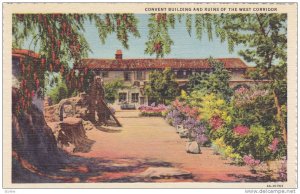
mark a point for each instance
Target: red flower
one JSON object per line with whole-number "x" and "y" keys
{"x": 273, "y": 145}
{"x": 216, "y": 122}
{"x": 43, "y": 60}
{"x": 241, "y": 130}
{"x": 64, "y": 26}
{"x": 118, "y": 22}
{"x": 32, "y": 93}
{"x": 37, "y": 82}
{"x": 177, "y": 104}
{"x": 58, "y": 43}
{"x": 40, "y": 17}
{"x": 23, "y": 83}
{"x": 53, "y": 56}
{"x": 28, "y": 94}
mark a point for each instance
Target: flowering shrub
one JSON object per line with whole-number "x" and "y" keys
{"x": 197, "y": 128}
{"x": 177, "y": 104}
{"x": 177, "y": 121}
{"x": 213, "y": 106}
{"x": 190, "y": 123}
{"x": 174, "y": 117}
{"x": 283, "y": 171}
{"x": 188, "y": 111}
{"x": 241, "y": 130}
{"x": 219, "y": 145}
{"x": 250, "y": 161}
{"x": 201, "y": 138}
{"x": 256, "y": 143}
{"x": 152, "y": 110}
{"x": 273, "y": 145}
{"x": 225, "y": 151}
{"x": 244, "y": 96}
{"x": 216, "y": 122}
{"x": 241, "y": 90}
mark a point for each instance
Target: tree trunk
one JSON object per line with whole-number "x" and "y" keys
{"x": 280, "y": 117}
{"x": 33, "y": 139}
{"x": 72, "y": 132}
{"x": 92, "y": 102}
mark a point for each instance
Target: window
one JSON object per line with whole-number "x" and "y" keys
{"x": 127, "y": 76}
{"x": 122, "y": 97}
{"x": 105, "y": 74}
{"x": 135, "y": 97}
{"x": 139, "y": 75}
{"x": 180, "y": 74}
{"x": 188, "y": 73}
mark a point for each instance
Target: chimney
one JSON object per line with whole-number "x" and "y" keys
{"x": 119, "y": 54}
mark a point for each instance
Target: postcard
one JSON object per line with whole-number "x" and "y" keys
{"x": 150, "y": 95}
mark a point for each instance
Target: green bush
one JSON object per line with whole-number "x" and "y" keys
{"x": 256, "y": 143}
{"x": 217, "y": 81}
{"x": 58, "y": 92}
{"x": 111, "y": 90}
{"x": 162, "y": 87}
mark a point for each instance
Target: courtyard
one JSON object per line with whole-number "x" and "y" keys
{"x": 150, "y": 143}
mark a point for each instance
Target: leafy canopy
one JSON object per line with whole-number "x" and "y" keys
{"x": 217, "y": 81}
{"x": 162, "y": 86}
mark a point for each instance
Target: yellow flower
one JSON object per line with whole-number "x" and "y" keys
{"x": 220, "y": 102}
{"x": 183, "y": 94}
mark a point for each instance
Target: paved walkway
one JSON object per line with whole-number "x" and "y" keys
{"x": 144, "y": 142}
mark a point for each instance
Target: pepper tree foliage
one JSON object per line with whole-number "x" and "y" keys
{"x": 60, "y": 42}
{"x": 159, "y": 41}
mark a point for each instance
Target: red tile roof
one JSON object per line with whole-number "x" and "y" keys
{"x": 138, "y": 64}
{"x": 23, "y": 52}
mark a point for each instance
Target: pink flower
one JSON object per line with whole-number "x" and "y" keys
{"x": 241, "y": 130}
{"x": 32, "y": 93}
{"x": 249, "y": 160}
{"x": 273, "y": 145}
{"x": 216, "y": 122}
{"x": 152, "y": 109}
{"x": 177, "y": 104}
{"x": 241, "y": 90}
{"x": 185, "y": 109}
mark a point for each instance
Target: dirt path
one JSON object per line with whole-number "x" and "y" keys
{"x": 145, "y": 142}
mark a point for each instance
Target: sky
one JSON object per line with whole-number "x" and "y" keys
{"x": 185, "y": 46}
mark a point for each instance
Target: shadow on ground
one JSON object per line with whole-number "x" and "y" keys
{"x": 80, "y": 169}
{"x": 108, "y": 130}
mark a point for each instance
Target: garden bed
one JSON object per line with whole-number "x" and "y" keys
{"x": 152, "y": 111}
{"x": 230, "y": 128}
